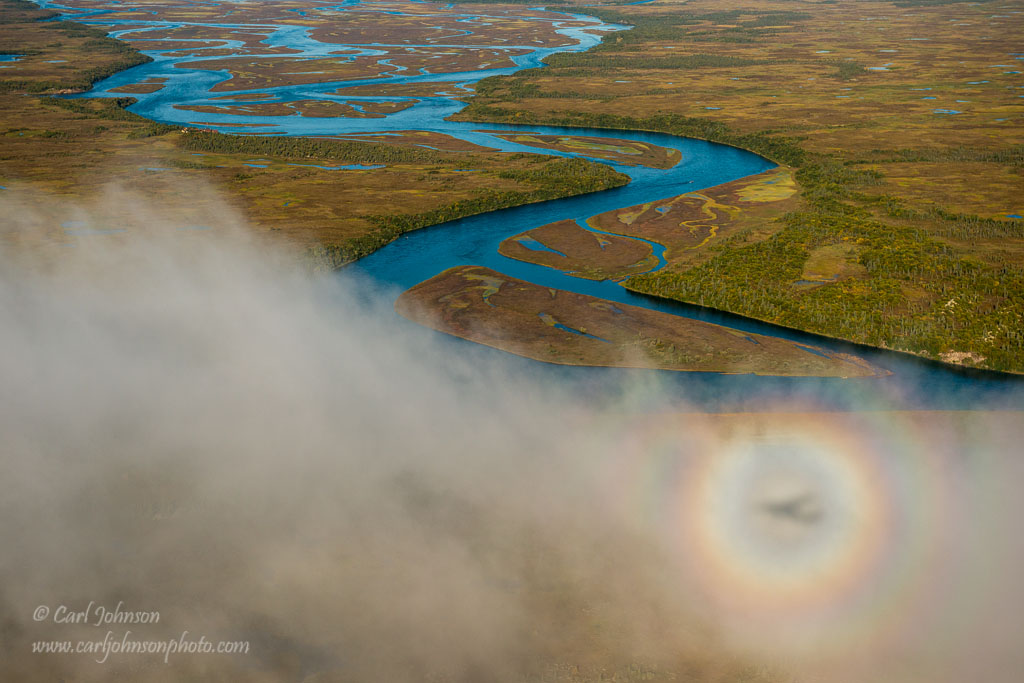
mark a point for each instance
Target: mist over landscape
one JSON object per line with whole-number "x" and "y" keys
{"x": 396, "y": 341}
{"x": 192, "y": 423}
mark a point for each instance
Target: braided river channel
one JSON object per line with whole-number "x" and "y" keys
{"x": 913, "y": 383}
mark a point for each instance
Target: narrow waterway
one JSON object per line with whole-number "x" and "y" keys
{"x": 422, "y": 254}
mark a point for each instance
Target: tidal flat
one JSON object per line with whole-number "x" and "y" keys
{"x": 555, "y": 326}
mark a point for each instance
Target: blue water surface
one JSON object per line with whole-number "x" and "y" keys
{"x": 422, "y": 254}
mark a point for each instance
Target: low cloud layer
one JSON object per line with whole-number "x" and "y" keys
{"x": 194, "y": 425}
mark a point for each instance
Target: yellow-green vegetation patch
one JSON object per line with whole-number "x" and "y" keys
{"x": 832, "y": 262}
{"x": 690, "y": 223}
{"x": 583, "y": 253}
{"x": 561, "y": 327}
{"x": 773, "y": 186}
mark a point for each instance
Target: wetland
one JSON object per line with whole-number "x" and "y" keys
{"x": 331, "y": 90}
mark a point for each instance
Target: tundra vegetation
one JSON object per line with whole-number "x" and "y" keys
{"x": 901, "y": 131}
{"x": 901, "y": 122}
{"x": 71, "y": 149}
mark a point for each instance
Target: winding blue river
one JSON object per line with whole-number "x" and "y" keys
{"x": 424, "y": 253}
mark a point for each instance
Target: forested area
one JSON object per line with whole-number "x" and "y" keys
{"x": 915, "y": 274}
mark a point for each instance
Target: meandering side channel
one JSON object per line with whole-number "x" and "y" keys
{"x": 474, "y": 241}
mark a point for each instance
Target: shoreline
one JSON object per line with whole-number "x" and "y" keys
{"x": 727, "y": 139}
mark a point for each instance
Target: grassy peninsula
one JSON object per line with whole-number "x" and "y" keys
{"x": 65, "y": 152}
{"x": 902, "y": 124}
